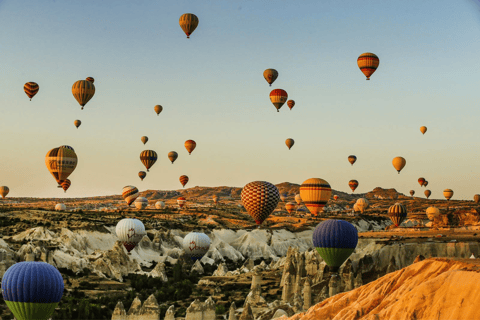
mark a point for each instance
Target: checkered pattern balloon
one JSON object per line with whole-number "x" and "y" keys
{"x": 260, "y": 198}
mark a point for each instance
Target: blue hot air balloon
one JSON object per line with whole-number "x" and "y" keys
{"x": 32, "y": 290}
{"x": 335, "y": 240}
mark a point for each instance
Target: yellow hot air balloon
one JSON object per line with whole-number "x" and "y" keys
{"x": 144, "y": 139}
{"x": 448, "y": 193}
{"x": 31, "y": 89}
{"x": 77, "y": 123}
{"x": 158, "y": 108}
{"x": 298, "y": 199}
{"x": 61, "y": 162}
{"x": 290, "y": 206}
{"x": 83, "y": 91}
{"x": 270, "y": 75}
{"x": 432, "y": 212}
{"x": 4, "y": 191}
{"x": 148, "y": 158}
{"x": 188, "y": 23}
{"x": 172, "y": 155}
{"x": 190, "y": 146}
{"x": 399, "y": 163}
{"x": 289, "y": 142}
{"x": 368, "y": 63}
{"x": 423, "y": 129}
{"x": 315, "y": 193}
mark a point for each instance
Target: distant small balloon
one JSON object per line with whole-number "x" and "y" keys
{"x": 353, "y": 184}
{"x": 181, "y": 201}
{"x": 412, "y": 192}
{"x": 144, "y": 139}
{"x": 141, "y": 203}
{"x": 4, "y": 191}
{"x": 432, "y": 213}
{"x": 298, "y": 199}
{"x": 290, "y": 104}
{"x": 183, "y": 180}
{"x": 190, "y": 145}
{"x": 335, "y": 197}
{"x": 83, "y": 91}
{"x": 31, "y": 89}
{"x": 129, "y": 194}
{"x": 188, "y": 23}
{"x": 397, "y": 213}
{"x": 427, "y": 193}
{"x": 270, "y": 75}
{"x": 148, "y": 158}
{"x": 172, "y": 155}
{"x": 399, "y": 163}
{"x": 289, "y": 142}
{"x": 290, "y": 206}
{"x": 476, "y": 198}
{"x": 352, "y": 159}
{"x": 77, "y": 123}
{"x": 158, "y": 108}
{"x": 278, "y": 98}
{"x": 448, "y": 193}
{"x": 421, "y": 181}
{"x": 423, "y": 129}
{"x": 368, "y": 63}
{"x": 160, "y": 205}
{"x": 142, "y": 175}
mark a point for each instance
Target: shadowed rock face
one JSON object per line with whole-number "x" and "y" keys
{"x": 380, "y": 193}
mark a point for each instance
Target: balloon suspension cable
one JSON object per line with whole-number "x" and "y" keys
{"x": 368, "y": 78}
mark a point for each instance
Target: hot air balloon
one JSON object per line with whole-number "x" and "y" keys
{"x": 353, "y": 184}
{"x": 67, "y": 147}
{"x": 190, "y": 146}
{"x": 183, "y": 180}
{"x": 283, "y": 197}
{"x": 397, "y": 213}
{"x": 66, "y": 184}
{"x": 368, "y": 63}
{"x": 144, "y": 139}
{"x": 356, "y": 208}
{"x": 61, "y": 162}
{"x": 77, "y": 123}
{"x": 129, "y": 194}
{"x": 172, "y": 155}
{"x": 423, "y": 129}
{"x": 362, "y": 204}
{"x": 421, "y": 181}
{"x": 298, "y": 199}
{"x": 148, "y": 158}
{"x": 31, "y": 89}
{"x": 142, "y": 174}
{"x": 158, "y": 108}
{"x": 4, "y": 191}
{"x": 141, "y": 203}
{"x": 160, "y": 205}
{"x": 260, "y": 198}
{"x": 335, "y": 197}
{"x": 90, "y": 79}
{"x": 289, "y": 142}
{"x": 476, "y": 198}
{"x": 270, "y": 75}
{"x": 32, "y": 290}
{"x": 335, "y": 241}
{"x": 352, "y": 159}
{"x": 427, "y": 193}
{"x": 290, "y": 206}
{"x": 448, "y": 193}
{"x": 130, "y": 232}
{"x": 60, "y": 207}
{"x": 432, "y": 213}
{"x": 315, "y": 193}
{"x": 196, "y": 245}
{"x": 181, "y": 201}
{"x": 188, "y": 23}
{"x": 278, "y": 98}
{"x": 83, "y": 91}
{"x": 425, "y": 183}
{"x": 399, "y": 163}
{"x": 215, "y": 199}
{"x": 412, "y": 192}
{"x": 290, "y": 104}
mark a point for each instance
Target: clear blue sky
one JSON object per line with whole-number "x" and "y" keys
{"x": 212, "y": 90}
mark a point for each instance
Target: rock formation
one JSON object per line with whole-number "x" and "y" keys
{"x": 170, "y": 314}
{"x": 231, "y": 312}
{"x": 247, "y": 313}
{"x": 201, "y": 310}
{"x": 148, "y": 311}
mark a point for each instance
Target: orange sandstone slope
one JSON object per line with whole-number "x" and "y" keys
{"x": 431, "y": 289}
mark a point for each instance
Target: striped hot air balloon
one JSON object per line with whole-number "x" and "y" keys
{"x": 368, "y": 63}
{"x": 290, "y": 104}
{"x": 353, "y": 184}
{"x": 66, "y": 184}
{"x": 270, "y": 75}
{"x": 83, "y": 91}
{"x": 183, "y": 180}
{"x": 421, "y": 181}
{"x": 77, "y": 123}
{"x": 158, "y": 108}
{"x": 130, "y": 232}
{"x": 289, "y": 142}
{"x": 397, "y": 213}
{"x": 399, "y": 163}
{"x": 412, "y": 192}
{"x": 181, "y": 201}
{"x": 148, "y": 158}
{"x": 160, "y": 205}
{"x": 432, "y": 213}
{"x": 427, "y": 193}
{"x": 32, "y": 290}
{"x": 31, "y": 89}
{"x": 61, "y": 162}
{"x": 67, "y": 147}
{"x": 335, "y": 241}
{"x": 476, "y": 198}
{"x": 448, "y": 193}
{"x": 141, "y": 203}
{"x": 90, "y": 79}
{"x": 362, "y": 204}
{"x": 335, "y": 197}
{"x": 352, "y": 159}
{"x": 4, "y": 191}
{"x": 172, "y": 155}
{"x": 260, "y": 198}
{"x": 142, "y": 174}
{"x": 278, "y": 98}
{"x": 190, "y": 146}
{"x": 196, "y": 245}
{"x": 144, "y": 139}
{"x": 315, "y": 193}
{"x": 129, "y": 194}
{"x": 283, "y": 197}
{"x": 188, "y": 23}
{"x": 298, "y": 199}
{"x": 290, "y": 206}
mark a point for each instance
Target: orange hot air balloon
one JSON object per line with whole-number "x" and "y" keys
{"x": 183, "y": 180}
{"x": 188, "y": 22}
{"x": 448, "y": 193}
{"x": 290, "y": 206}
{"x": 158, "y": 108}
{"x": 31, "y": 89}
{"x": 66, "y": 184}
{"x": 425, "y": 183}
{"x": 352, "y": 159}
{"x": 270, "y": 75}
{"x": 421, "y": 181}
{"x": 77, "y": 123}
{"x": 172, "y": 155}
{"x": 289, "y": 142}
{"x": 315, "y": 193}
{"x": 335, "y": 197}
{"x": 368, "y": 63}
{"x": 476, "y": 198}
{"x": 353, "y": 184}
{"x": 142, "y": 175}
{"x": 181, "y": 201}
{"x": 399, "y": 163}
{"x": 427, "y": 193}
{"x": 190, "y": 146}
{"x": 90, "y": 79}
{"x": 290, "y": 104}
{"x": 278, "y": 98}
{"x": 423, "y": 129}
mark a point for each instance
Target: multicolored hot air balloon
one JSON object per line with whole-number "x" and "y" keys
{"x": 335, "y": 197}
{"x": 190, "y": 146}
{"x": 77, "y": 123}
{"x": 158, "y": 108}
{"x": 130, "y": 232}
{"x": 315, "y": 193}
{"x": 412, "y": 192}
{"x": 4, "y": 191}
{"x": 31, "y": 89}
{"x": 196, "y": 245}
{"x": 423, "y": 129}
{"x": 290, "y": 206}
{"x": 270, "y": 75}
{"x": 67, "y": 147}
{"x": 335, "y": 241}
{"x": 290, "y": 104}
{"x": 353, "y": 184}
{"x": 476, "y": 198}
{"x": 432, "y": 213}
{"x": 352, "y": 159}
{"x": 183, "y": 180}
{"x": 181, "y": 201}
{"x": 368, "y": 63}
{"x": 160, "y": 205}
{"x": 397, "y": 213}
{"x": 129, "y": 194}
{"x": 61, "y": 162}
{"x": 188, "y": 23}
{"x": 289, "y": 142}
{"x": 148, "y": 158}
{"x": 83, "y": 91}
{"x": 66, "y": 184}
{"x": 32, "y": 290}
{"x": 448, "y": 193}
{"x": 399, "y": 163}
{"x": 362, "y": 204}
{"x": 278, "y": 98}
{"x": 298, "y": 198}
{"x": 283, "y": 197}
{"x": 142, "y": 174}
{"x": 172, "y": 155}
{"x": 427, "y": 193}
{"x": 141, "y": 203}
{"x": 144, "y": 139}
{"x": 421, "y": 181}
{"x": 260, "y": 198}
{"x": 90, "y": 79}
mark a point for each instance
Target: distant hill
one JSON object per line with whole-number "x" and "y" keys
{"x": 381, "y": 194}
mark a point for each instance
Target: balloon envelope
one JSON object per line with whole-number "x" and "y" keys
{"x": 278, "y": 98}
{"x": 368, "y": 63}
{"x": 397, "y": 213}
{"x": 423, "y": 129}
{"x": 190, "y": 146}
{"x": 427, "y": 193}
{"x": 290, "y": 206}
{"x": 270, "y": 75}
{"x": 129, "y": 194}
{"x": 290, "y": 104}
{"x": 141, "y": 203}
{"x": 188, "y": 22}
{"x": 298, "y": 198}
{"x": 77, "y": 123}
{"x": 448, "y": 193}
{"x": 353, "y": 184}
{"x": 60, "y": 207}
{"x": 158, "y": 108}
{"x": 289, "y": 142}
{"x": 61, "y": 162}
{"x": 130, "y": 232}
{"x": 196, "y": 245}
{"x": 421, "y": 181}
{"x": 144, "y": 139}
{"x": 352, "y": 159}
{"x": 160, "y": 205}
{"x": 142, "y": 174}
{"x": 260, "y": 198}
{"x": 4, "y": 191}
{"x": 412, "y": 192}
{"x": 399, "y": 163}
{"x": 148, "y": 158}
{"x": 66, "y": 184}
{"x": 183, "y": 180}
{"x": 432, "y": 212}
{"x": 315, "y": 193}
{"x": 172, "y": 155}
{"x": 476, "y": 198}
{"x": 31, "y": 89}
{"x": 181, "y": 201}
{"x": 83, "y": 91}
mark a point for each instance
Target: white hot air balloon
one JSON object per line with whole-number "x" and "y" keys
{"x": 298, "y": 198}
{"x": 432, "y": 212}
{"x": 362, "y": 204}
{"x": 141, "y": 203}
{"x": 196, "y": 245}
{"x": 60, "y": 207}
{"x": 160, "y": 205}
{"x": 130, "y": 232}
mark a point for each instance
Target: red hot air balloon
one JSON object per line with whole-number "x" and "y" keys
{"x": 183, "y": 180}
{"x": 278, "y": 98}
